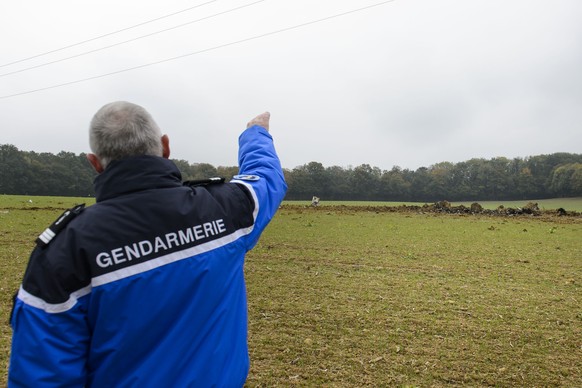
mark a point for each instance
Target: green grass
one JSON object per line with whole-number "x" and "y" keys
{"x": 569, "y": 204}
{"x": 31, "y": 202}
{"x": 387, "y": 299}
{"x": 339, "y": 297}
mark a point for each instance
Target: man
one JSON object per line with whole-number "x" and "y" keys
{"x": 145, "y": 288}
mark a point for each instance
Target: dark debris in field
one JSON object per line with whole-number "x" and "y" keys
{"x": 444, "y": 207}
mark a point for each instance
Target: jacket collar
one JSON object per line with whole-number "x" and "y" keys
{"x": 136, "y": 174}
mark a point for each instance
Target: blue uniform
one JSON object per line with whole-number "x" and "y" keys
{"x": 146, "y": 287}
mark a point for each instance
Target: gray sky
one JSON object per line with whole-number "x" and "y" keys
{"x": 408, "y": 83}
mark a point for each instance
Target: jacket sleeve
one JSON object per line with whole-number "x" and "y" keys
{"x": 260, "y": 171}
{"x": 50, "y": 338}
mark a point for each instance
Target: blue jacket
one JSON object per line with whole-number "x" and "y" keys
{"x": 146, "y": 287}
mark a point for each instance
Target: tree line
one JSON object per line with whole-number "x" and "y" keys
{"x": 534, "y": 177}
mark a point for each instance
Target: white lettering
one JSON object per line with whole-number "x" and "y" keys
{"x": 198, "y": 232}
{"x": 145, "y": 244}
{"x": 172, "y": 238}
{"x": 104, "y": 260}
{"x": 160, "y": 244}
{"x": 117, "y": 254}
{"x": 208, "y": 229}
{"x": 132, "y": 253}
{"x": 185, "y": 236}
{"x": 221, "y": 227}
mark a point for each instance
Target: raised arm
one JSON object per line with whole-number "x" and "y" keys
{"x": 260, "y": 171}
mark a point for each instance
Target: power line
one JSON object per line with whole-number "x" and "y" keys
{"x": 104, "y": 35}
{"x": 201, "y": 51}
{"x": 131, "y": 40}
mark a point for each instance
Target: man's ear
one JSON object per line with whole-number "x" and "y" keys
{"x": 166, "y": 146}
{"x": 92, "y": 158}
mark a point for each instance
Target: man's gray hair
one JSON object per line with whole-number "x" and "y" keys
{"x": 122, "y": 129}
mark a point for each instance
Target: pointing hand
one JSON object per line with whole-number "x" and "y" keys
{"x": 262, "y": 120}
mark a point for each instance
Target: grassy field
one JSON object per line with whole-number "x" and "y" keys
{"x": 569, "y": 204}
{"x": 344, "y": 298}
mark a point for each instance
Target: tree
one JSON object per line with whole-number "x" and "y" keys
{"x": 393, "y": 185}
{"x": 365, "y": 182}
{"x": 203, "y": 171}
{"x": 441, "y": 181}
{"x": 226, "y": 172}
{"x": 541, "y": 176}
{"x": 14, "y": 175}
{"x": 567, "y": 180}
{"x": 339, "y": 186}
{"x": 308, "y": 180}
{"x": 421, "y": 182}
{"x": 461, "y": 182}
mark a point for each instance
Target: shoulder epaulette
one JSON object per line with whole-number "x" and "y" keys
{"x": 50, "y": 232}
{"x": 204, "y": 182}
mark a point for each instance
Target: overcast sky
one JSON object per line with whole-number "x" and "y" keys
{"x": 407, "y": 83}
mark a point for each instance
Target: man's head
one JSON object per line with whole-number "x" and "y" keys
{"x": 122, "y": 129}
